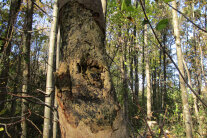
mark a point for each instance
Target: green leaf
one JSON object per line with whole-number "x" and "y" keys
{"x": 162, "y": 24}
{"x": 125, "y": 5}
{"x": 130, "y": 9}
{"x": 166, "y": 1}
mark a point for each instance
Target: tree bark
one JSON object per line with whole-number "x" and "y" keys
{"x": 49, "y": 81}
{"x": 148, "y": 76}
{"x": 26, "y": 63}
{"x": 143, "y": 74}
{"x": 131, "y": 69}
{"x": 55, "y": 116}
{"x": 124, "y": 82}
{"x": 186, "y": 109}
{"x": 165, "y": 73}
{"x": 195, "y": 101}
{"x": 136, "y": 62}
{"x": 87, "y": 106}
{"x": 149, "y": 89}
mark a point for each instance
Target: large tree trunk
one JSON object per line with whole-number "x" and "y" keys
{"x": 86, "y": 98}
{"x": 186, "y": 109}
{"x": 148, "y": 75}
{"x": 26, "y": 63}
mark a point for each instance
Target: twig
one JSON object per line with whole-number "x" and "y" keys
{"x": 5, "y": 127}
{"x": 41, "y": 91}
{"x": 7, "y": 118}
{"x": 34, "y": 126}
{"x": 162, "y": 47}
{"x": 32, "y": 97}
{"x": 13, "y": 123}
{"x": 22, "y": 31}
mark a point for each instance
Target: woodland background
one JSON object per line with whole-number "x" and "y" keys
{"x": 141, "y": 50}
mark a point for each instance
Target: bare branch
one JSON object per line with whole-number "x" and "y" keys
{"x": 5, "y": 127}
{"x": 33, "y": 30}
{"x": 34, "y": 126}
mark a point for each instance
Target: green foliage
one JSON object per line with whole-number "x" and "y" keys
{"x": 162, "y": 24}
{"x": 125, "y": 4}
{"x": 166, "y": 1}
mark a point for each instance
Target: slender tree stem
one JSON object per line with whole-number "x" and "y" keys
{"x": 171, "y": 59}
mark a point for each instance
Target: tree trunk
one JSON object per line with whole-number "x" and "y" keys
{"x": 124, "y": 83}
{"x": 136, "y": 68}
{"x": 131, "y": 59}
{"x": 26, "y": 64}
{"x": 16, "y": 86}
{"x": 5, "y": 49}
{"x": 55, "y": 116}
{"x": 143, "y": 74}
{"x": 147, "y": 74}
{"x": 149, "y": 104}
{"x": 87, "y": 106}
{"x": 165, "y": 73}
{"x": 195, "y": 101}
{"x": 160, "y": 95}
{"x": 49, "y": 81}
{"x": 186, "y": 109}
{"x": 154, "y": 85}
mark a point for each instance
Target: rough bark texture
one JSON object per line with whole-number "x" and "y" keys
{"x": 26, "y": 63}
{"x": 97, "y": 8}
{"x": 87, "y": 106}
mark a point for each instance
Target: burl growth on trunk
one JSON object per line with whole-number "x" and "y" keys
{"x": 86, "y": 98}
